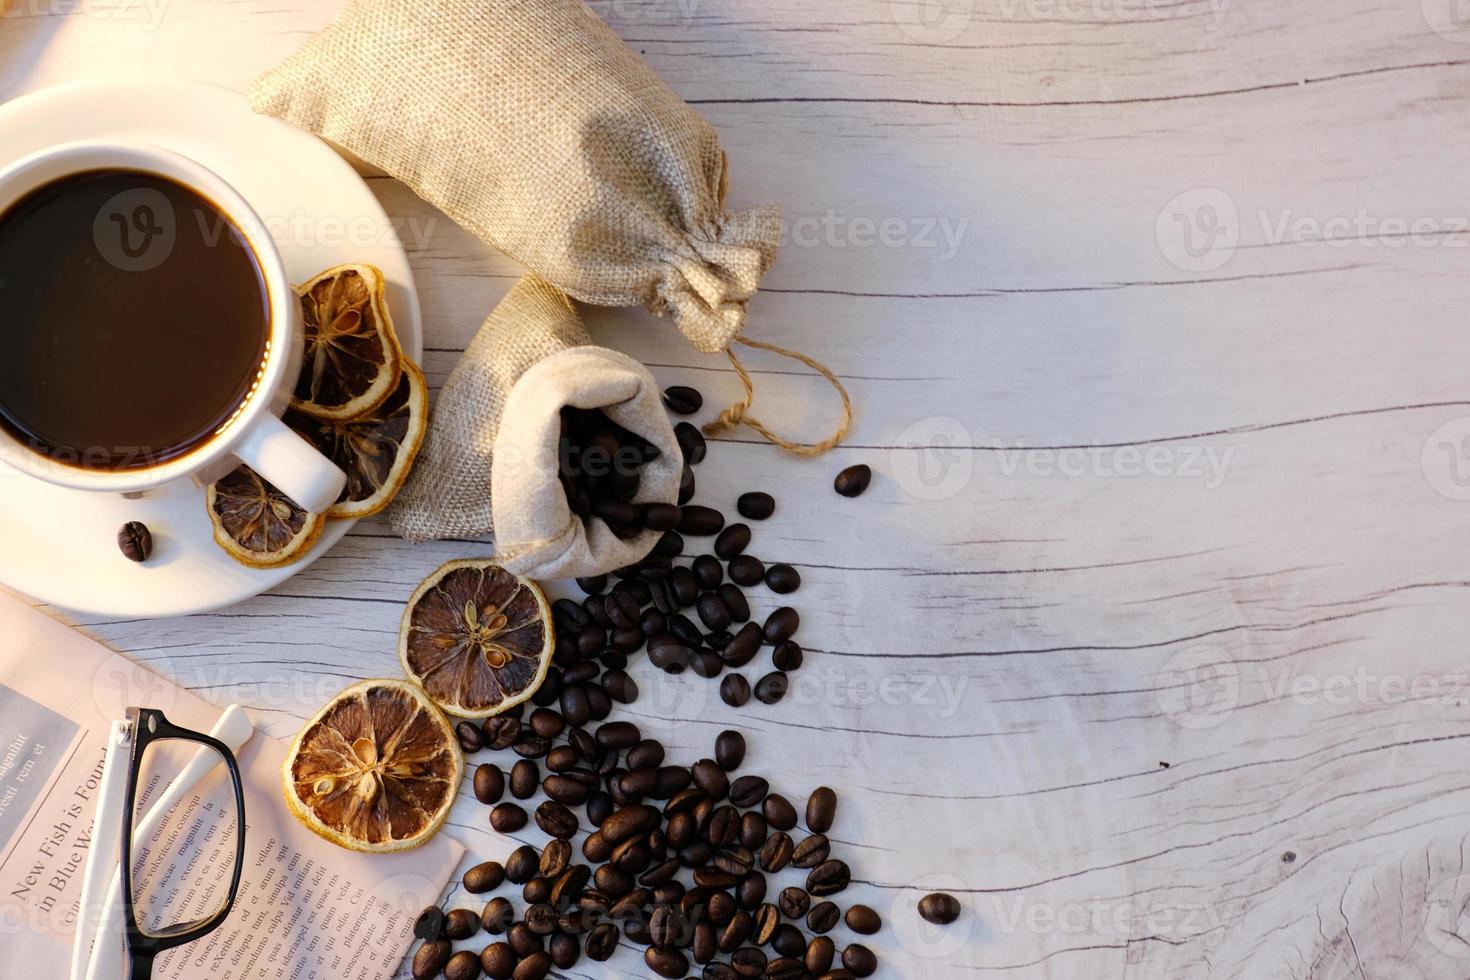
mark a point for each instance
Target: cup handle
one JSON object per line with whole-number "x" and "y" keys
{"x": 275, "y": 451}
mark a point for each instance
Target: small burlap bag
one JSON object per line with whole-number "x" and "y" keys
{"x": 533, "y": 125}
{"x": 490, "y": 462}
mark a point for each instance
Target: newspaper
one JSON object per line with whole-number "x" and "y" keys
{"x": 306, "y": 909}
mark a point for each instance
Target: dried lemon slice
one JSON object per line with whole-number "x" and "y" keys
{"x": 375, "y": 450}
{"x": 375, "y": 770}
{"x": 352, "y": 361}
{"x": 256, "y": 523}
{"x": 478, "y": 638}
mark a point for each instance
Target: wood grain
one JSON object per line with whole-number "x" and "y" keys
{"x": 1149, "y": 640}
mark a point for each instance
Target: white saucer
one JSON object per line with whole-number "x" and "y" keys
{"x": 59, "y": 545}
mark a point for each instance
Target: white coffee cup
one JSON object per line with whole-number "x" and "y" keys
{"x": 255, "y": 433}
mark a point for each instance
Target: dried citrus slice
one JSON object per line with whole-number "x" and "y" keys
{"x": 256, "y": 523}
{"x": 352, "y": 361}
{"x": 376, "y": 450}
{"x": 478, "y": 638}
{"x": 376, "y": 769}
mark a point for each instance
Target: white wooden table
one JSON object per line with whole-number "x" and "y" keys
{"x": 1150, "y": 640}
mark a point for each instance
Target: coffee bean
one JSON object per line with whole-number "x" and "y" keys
{"x": 431, "y": 958}
{"x": 683, "y": 400}
{"x": 573, "y": 789}
{"x": 471, "y": 739}
{"x": 507, "y": 818}
{"x": 729, "y": 750}
{"x": 811, "y": 852}
{"x": 746, "y": 570}
{"x": 522, "y": 864}
{"x": 498, "y": 961}
{"x": 135, "y": 541}
{"x": 748, "y": 962}
{"x": 484, "y": 877}
{"x": 756, "y": 506}
{"x": 593, "y": 585}
{"x": 783, "y": 579}
{"x": 670, "y": 545}
{"x": 564, "y": 951}
{"x": 602, "y": 942}
{"x": 461, "y": 924}
{"x": 823, "y": 917}
{"x": 743, "y": 647}
{"x": 556, "y": 820}
{"x": 703, "y": 944}
{"x": 767, "y": 918}
{"x": 749, "y": 791}
{"x": 707, "y": 663}
{"x": 534, "y": 746}
{"x": 624, "y": 823}
{"x": 828, "y": 878}
{"x": 788, "y": 940}
{"x": 673, "y": 658}
{"x": 524, "y": 778}
{"x": 776, "y": 852}
{"x": 618, "y": 735}
{"x": 537, "y": 890}
{"x": 780, "y": 814}
{"x": 501, "y": 732}
{"x": 781, "y": 625}
{"x": 598, "y": 703}
{"x": 735, "y": 603}
{"x": 575, "y": 707}
{"x": 692, "y": 442}
{"x": 534, "y": 966}
{"x": 819, "y": 955}
{"x": 699, "y": 521}
{"x": 939, "y": 908}
{"x": 852, "y": 481}
{"x": 463, "y": 965}
{"x": 786, "y": 968}
{"x": 751, "y": 891}
{"x": 638, "y": 783}
{"x": 821, "y": 808}
{"x": 787, "y": 656}
{"x": 671, "y": 780}
{"x": 712, "y": 611}
{"x": 572, "y": 882}
{"x": 523, "y": 941}
{"x": 665, "y": 925}
{"x": 772, "y": 687}
{"x": 732, "y": 541}
{"x": 793, "y": 902}
{"x": 430, "y": 924}
{"x": 708, "y": 572}
{"x": 863, "y": 920}
{"x": 489, "y": 783}
{"x": 686, "y": 486}
{"x": 736, "y": 931}
{"x": 860, "y": 960}
{"x": 666, "y": 962}
{"x": 735, "y": 690}
{"x": 753, "y": 829}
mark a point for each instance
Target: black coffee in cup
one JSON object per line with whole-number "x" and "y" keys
{"x": 134, "y": 320}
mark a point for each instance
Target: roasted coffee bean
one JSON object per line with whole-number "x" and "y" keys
{"x": 567, "y": 613}
{"x": 852, "y": 481}
{"x": 463, "y": 965}
{"x": 672, "y": 780}
{"x": 860, "y": 959}
{"x": 863, "y": 920}
{"x": 811, "y": 852}
{"x": 820, "y": 953}
{"x": 135, "y": 541}
{"x": 682, "y": 829}
{"x": 498, "y": 961}
{"x": 751, "y": 891}
{"x": 702, "y": 946}
{"x": 541, "y": 919}
{"x": 538, "y": 889}
{"x": 659, "y": 874}
{"x": 707, "y": 664}
{"x": 593, "y": 585}
{"x": 736, "y": 859}
{"x": 550, "y": 689}
{"x": 749, "y": 791}
{"x": 556, "y": 820}
{"x": 748, "y": 962}
{"x": 823, "y": 917}
{"x": 747, "y": 570}
{"x": 736, "y": 931}
{"x": 939, "y": 908}
{"x": 632, "y": 856}
{"x": 756, "y": 506}
{"x": 568, "y": 789}
{"x": 781, "y": 625}
{"x": 461, "y": 924}
{"x": 712, "y": 611}
{"x": 721, "y": 908}
{"x": 783, "y": 579}
{"x": 485, "y": 877}
{"x": 753, "y": 829}
{"x": 598, "y": 703}
{"x": 617, "y": 513}
{"x": 631, "y": 904}
{"x": 430, "y": 924}
{"x": 671, "y": 657}
{"x": 659, "y": 517}
{"x": 522, "y": 865}
{"x": 732, "y": 541}
{"x": 570, "y": 884}
{"x": 821, "y": 809}
{"x": 785, "y": 968}
{"x": 596, "y": 847}
{"x": 618, "y": 735}
{"x": 708, "y": 572}
{"x": 612, "y": 881}
{"x": 534, "y": 966}
{"x": 524, "y": 778}
{"x": 531, "y": 747}
{"x": 564, "y": 951}
{"x": 701, "y": 522}
{"x": 772, "y": 687}
{"x": 624, "y": 823}
{"x": 692, "y": 442}
{"x": 501, "y": 732}
{"x": 793, "y": 902}
{"x": 724, "y": 826}
{"x": 683, "y": 400}
{"x": 431, "y": 958}
{"x": 697, "y": 854}
{"x": 767, "y": 918}
{"x": 591, "y": 639}
{"x": 599, "y": 807}
{"x": 729, "y": 749}
{"x": 647, "y": 754}
{"x": 575, "y": 707}
{"x": 489, "y": 783}
{"x": 670, "y": 545}
{"x": 638, "y": 783}
{"x": 711, "y": 877}
{"x": 776, "y": 852}
{"x": 788, "y": 940}
{"x": 684, "y": 631}
{"x": 666, "y": 962}
{"x": 735, "y": 690}
{"x": 651, "y": 622}
{"x": 602, "y": 942}
{"x": 555, "y": 857}
{"x": 623, "y": 610}
{"x": 666, "y": 925}
{"x": 743, "y": 646}
{"x": 523, "y": 941}
{"x": 685, "y": 585}
{"x": 828, "y": 878}
{"x": 471, "y": 739}
{"x": 735, "y": 603}
{"x": 780, "y": 814}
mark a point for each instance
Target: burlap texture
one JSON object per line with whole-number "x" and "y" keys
{"x": 490, "y": 461}
{"x": 532, "y": 124}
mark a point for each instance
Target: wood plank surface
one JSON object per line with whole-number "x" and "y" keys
{"x": 1149, "y": 641}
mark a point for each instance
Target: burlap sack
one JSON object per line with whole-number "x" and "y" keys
{"x": 533, "y": 125}
{"x": 490, "y": 461}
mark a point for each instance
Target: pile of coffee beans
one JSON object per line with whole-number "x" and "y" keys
{"x": 600, "y": 470}
{"x": 677, "y": 859}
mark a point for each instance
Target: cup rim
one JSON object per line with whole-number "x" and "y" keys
{"x": 42, "y": 167}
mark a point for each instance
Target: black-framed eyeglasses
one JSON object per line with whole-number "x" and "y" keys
{"x": 173, "y": 886}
